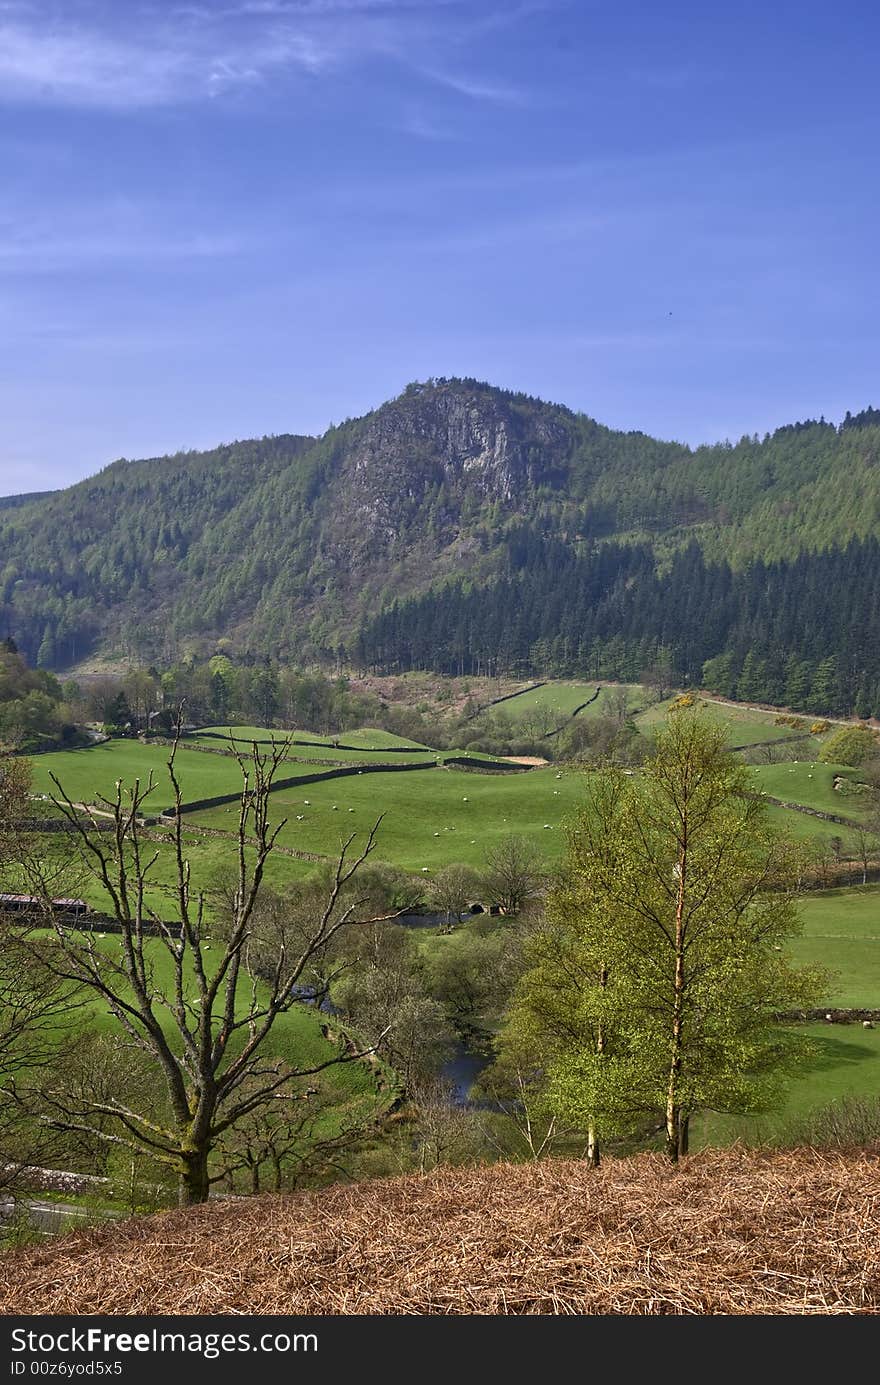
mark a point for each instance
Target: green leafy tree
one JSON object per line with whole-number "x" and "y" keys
{"x": 851, "y": 745}
{"x": 662, "y": 966}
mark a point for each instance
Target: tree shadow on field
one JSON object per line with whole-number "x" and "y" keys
{"x": 833, "y": 1052}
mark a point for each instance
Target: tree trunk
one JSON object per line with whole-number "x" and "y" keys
{"x": 673, "y": 1110}
{"x": 194, "y": 1186}
{"x": 673, "y": 1117}
{"x": 592, "y": 1146}
{"x": 683, "y": 1134}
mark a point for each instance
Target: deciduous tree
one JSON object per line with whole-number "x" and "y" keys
{"x": 661, "y": 971}
{"x": 207, "y": 1036}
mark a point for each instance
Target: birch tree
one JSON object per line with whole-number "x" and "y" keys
{"x": 664, "y": 964}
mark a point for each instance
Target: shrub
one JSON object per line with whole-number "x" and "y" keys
{"x": 851, "y": 745}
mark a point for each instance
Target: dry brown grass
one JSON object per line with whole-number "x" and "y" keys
{"x": 727, "y": 1232}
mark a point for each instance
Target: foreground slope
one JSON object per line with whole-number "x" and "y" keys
{"x": 727, "y": 1232}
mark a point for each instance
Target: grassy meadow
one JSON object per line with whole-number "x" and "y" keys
{"x": 841, "y": 932}
{"x": 845, "y": 1064}
{"x": 431, "y": 818}
{"x": 745, "y": 726}
{"x": 558, "y": 700}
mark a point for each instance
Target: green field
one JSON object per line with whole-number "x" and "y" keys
{"x": 842, "y": 934}
{"x": 809, "y": 782}
{"x": 744, "y": 727}
{"x": 803, "y": 827}
{"x": 432, "y": 818}
{"x": 86, "y": 774}
{"x": 210, "y": 859}
{"x": 438, "y": 816}
{"x": 558, "y": 698}
{"x": 366, "y": 738}
{"x": 846, "y": 1064}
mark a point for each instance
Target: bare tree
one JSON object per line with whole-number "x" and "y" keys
{"x": 283, "y": 1141}
{"x": 444, "y": 1131}
{"x": 617, "y": 703}
{"x": 517, "y": 1093}
{"x": 454, "y": 890}
{"x": 206, "y": 1034}
{"x": 513, "y": 873}
{"x": 867, "y": 839}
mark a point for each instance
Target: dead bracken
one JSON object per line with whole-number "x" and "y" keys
{"x": 727, "y": 1231}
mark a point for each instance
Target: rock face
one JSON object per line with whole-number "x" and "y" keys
{"x": 425, "y": 454}
{"x": 460, "y": 436}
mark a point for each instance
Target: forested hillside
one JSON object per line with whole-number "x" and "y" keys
{"x": 512, "y": 534}
{"x": 803, "y": 633}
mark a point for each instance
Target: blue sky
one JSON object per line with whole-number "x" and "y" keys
{"x": 221, "y": 220}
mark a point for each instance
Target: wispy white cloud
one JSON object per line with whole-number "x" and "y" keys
{"x": 475, "y": 88}
{"x": 78, "y": 65}
{"x": 154, "y": 56}
{"x": 82, "y": 67}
